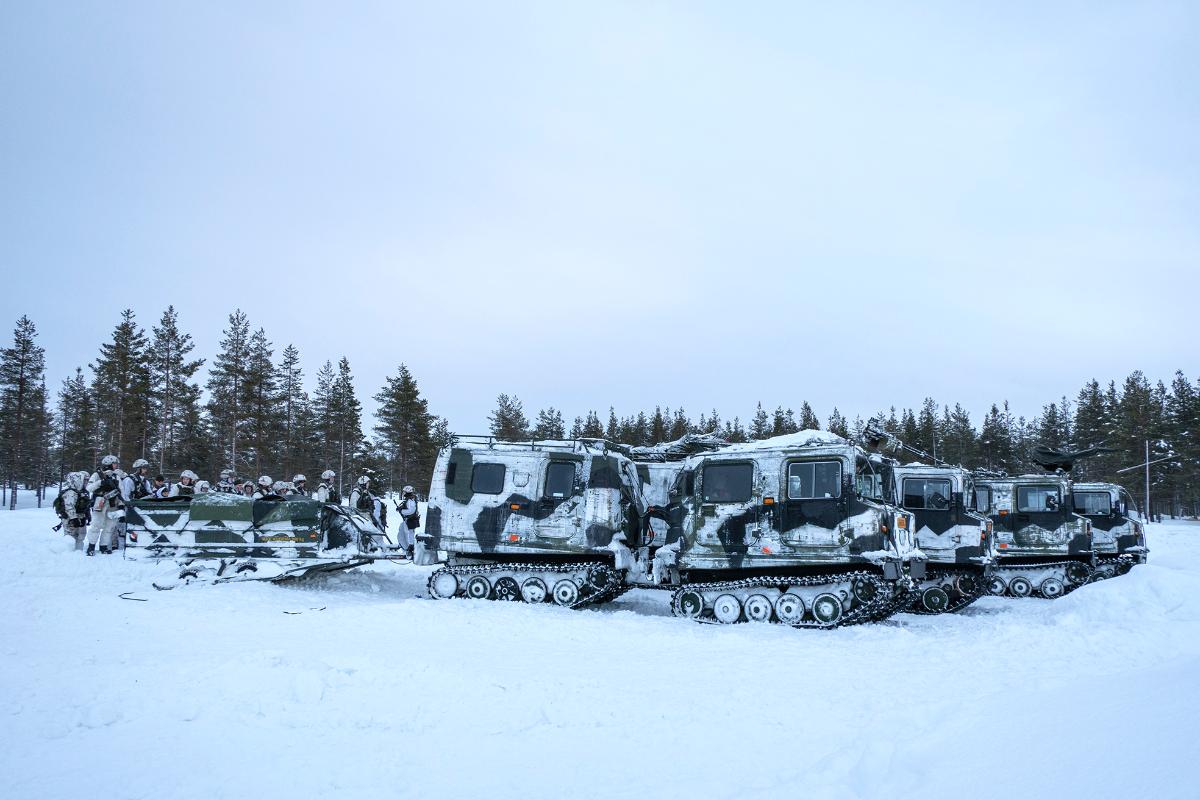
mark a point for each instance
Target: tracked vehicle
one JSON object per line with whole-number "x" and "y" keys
{"x": 957, "y": 540}
{"x": 1044, "y": 547}
{"x": 218, "y": 538}
{"x": 778, "y": 531}
{"x": 1117, "y": 536}
{"x": 772, "y": 531}
{"x": 550, "y": 521}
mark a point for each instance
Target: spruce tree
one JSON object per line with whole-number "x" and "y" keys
{"x": 22, "y": 371}
{"x": 760, "y": 425}
{"x": 289, "y": 383}
{"x": 808, "y": 420}
{"x": 346, "y": 420}
{"x": 170, "y": 381}
{"x": 121, "y": 387}
{"x": 837, "y": 424}
{"x": 549, "y": 424}
{"x": 405, "y": 431}
{"x": 261, "y": 405}
{"x": 226, "y": 391}
{"x": 76, "y": 422}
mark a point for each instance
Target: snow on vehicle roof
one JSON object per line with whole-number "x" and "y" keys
{"x": 808, "y": 438}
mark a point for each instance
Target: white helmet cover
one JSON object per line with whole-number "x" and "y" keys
{"x": 265, "y": 481}
{"x": 108, "y": 461}
{"x": 187, "y": 473}
{"x": 328, "y": 475}
{"x": 141, "y": 462}
{"x": 202, "y": 486}
{"x": 364, "y": 480}
{"x": 299, "y": 479}
{"x": 409, "y": 490}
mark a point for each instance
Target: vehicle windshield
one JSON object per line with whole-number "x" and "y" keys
{"x": 927, "y": 493}
{"x": 1093, "y": 503}
{"x": 1038, "y": 498}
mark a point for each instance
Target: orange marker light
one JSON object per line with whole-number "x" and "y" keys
{"x": 766, "y": 550}
{"x": 515, "y": 506}
{"x": 1004, "y": 512}
{"x": 512, "y": 537}
{"x": 1003, "y": 546}
{"x": 768, "y": 501}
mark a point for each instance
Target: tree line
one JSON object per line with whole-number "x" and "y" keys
{"x": 141, "y": 397}
{"x": 1122, "y": 417}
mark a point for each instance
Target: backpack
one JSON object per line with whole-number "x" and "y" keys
{"x": 366, "y": 503}
{"x": 413, "y": 520}
{"x": 60, "y": 506}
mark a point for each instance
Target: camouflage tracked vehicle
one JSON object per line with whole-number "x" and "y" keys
{"x": 533, "y": 521}
{"x": 1044, "y": 547}
{"x": 220, "y": 537}
{"x": 957, "y": 541}
{"x": 1117, "y": 537}
{"x": 778, "y": 531}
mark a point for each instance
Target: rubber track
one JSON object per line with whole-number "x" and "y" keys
{"x": 959, "y": 604}
{"x": 867, "y": 612}
{"x": 614, "y": 587}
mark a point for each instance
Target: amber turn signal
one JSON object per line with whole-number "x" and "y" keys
{"x": 902, "y": 523}
{"x": 768, "y": 501}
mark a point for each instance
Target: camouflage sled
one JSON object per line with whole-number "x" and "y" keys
{"x": 220, "y": 537}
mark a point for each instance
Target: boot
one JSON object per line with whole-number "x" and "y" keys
{"x": 91, "y": 551}
{"x": 105, "y": 551}
{"x": 411, "y": 552}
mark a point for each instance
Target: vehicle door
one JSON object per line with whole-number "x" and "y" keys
{"x": 1097, "y": 506}
{"x": 815, "y": 499}
{"x": 1039, "y": 513}
{"x": 558, "y": 513}
{"x": 931, "y": 499}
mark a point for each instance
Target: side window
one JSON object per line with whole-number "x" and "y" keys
{"x": 728, "y": 483}
{"x": 983, "y": 499}
{"x": 560, "y": 479}
{"x": 487, "y": 479}
{"x": 927, "y": 493}
{"x": 814, "y": 480}
{"x": 1093, "y": 503}
{"x": 451, "y": 472}
{"x": 1037, "y": 498}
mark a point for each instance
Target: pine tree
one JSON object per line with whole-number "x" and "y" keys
{"x": 121, "y": 387}
{"x": 22, "y": 371}
{"x": 169, "y": 380}
{"x": 660, "y": 426}
{"x": 808, "y": 420}
{"x": 837, "y": 424}
{"x": 293, "y": 412}
{"x": 995, "y": 441}
{"x": 592, "y": 429}
{"x": 613, "y": 431}
{"x": 345, "y": 421}
{"x": 760, "y": 426}
{"x": 508, "y": 421}
{"x": 260, "y": 404}
{"x": 323, "y": 408}
{"x": 405, "y": 431}
{"x": 226, "y": 390}
{"x": 76, "y": 422}
{"x": 549, "y": 424}
{"x": 680, "y": 425}
{"x": 927, "y": 428}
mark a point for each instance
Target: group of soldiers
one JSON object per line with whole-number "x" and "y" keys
{"x": 92, "y": 506}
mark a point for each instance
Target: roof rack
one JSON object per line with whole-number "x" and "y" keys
{"x": 533, "y": 444}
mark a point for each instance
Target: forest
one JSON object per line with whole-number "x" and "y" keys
{"x": 251, "y": 409}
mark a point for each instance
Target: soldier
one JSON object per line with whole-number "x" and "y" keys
{"x": 280, "y": 488}
{"x": 247, "y": 488}
{"x": 327, "y": 492}
{"x": 410, "y": 518}
{"x": 265, "y": 490}
{"x": 362, "y": 499}
{"x": 299, "y": 483}
{"x": 228, "y": 482}
{"x": 136, "y": 484}
{"x": 107, "y": 506}
{"x": 72, "y": 506}
{"x": 203, "y": 487}
{"x": 186, "y": 486}
{"x": 159, "y": 488}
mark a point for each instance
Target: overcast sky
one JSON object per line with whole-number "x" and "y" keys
{"x": 706, "y": 204}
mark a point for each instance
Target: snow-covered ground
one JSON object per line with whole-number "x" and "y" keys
{"x": 356, "y": 686}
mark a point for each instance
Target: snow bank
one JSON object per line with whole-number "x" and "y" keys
{"x": 354, "y": 685}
